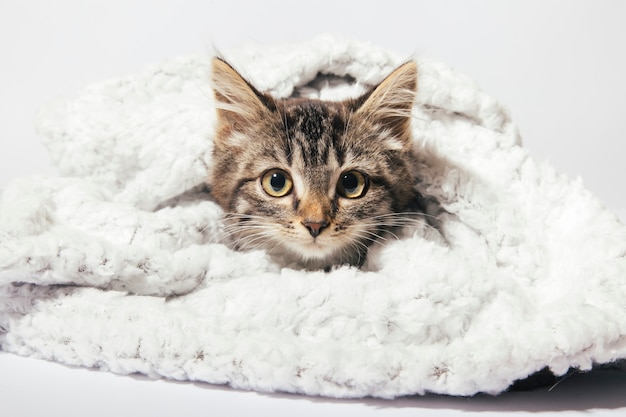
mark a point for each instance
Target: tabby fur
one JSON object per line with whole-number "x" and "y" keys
{"x": 321, "y": 147}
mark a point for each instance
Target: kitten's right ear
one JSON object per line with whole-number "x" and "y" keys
{"x": 237, "y": 102}
{"x": 390, "y": 103}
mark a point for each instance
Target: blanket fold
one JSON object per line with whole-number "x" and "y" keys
{"x": 118, "y": 264}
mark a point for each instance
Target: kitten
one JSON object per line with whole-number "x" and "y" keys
{"x": 313, "y": 182}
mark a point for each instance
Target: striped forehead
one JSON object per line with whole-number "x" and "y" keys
{"x": 314, "y": 132}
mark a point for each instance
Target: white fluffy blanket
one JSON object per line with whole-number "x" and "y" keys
{"x": 109, "y": 266}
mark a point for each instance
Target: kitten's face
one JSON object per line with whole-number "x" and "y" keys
{"x": 313, "y": 182}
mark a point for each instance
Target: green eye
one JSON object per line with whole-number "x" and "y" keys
{"x": 352, "y": 184}
{"x": 276, "y": 183}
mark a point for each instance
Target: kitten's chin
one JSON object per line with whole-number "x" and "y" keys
{"x": 314, "y": 255}
{"x": 309, "y": 251}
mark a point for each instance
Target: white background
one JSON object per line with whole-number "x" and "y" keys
{"x": 559, "y": 66}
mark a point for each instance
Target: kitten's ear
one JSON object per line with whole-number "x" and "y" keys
{"x": 390, "y": 103}
{"x": 237, "y": 102}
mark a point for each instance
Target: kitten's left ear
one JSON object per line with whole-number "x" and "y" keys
{"x": 390, "y": 103}
{"x": 237, "y": 102}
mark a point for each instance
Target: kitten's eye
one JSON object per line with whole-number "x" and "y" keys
{"x": 276, "y": 183}
{"x": 352, "y": 184}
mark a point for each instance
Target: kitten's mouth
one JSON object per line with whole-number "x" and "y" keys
{"x": 313, "y": 248}
{"x": 315, "y": 244}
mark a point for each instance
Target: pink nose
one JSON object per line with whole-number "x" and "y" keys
{"x": 315, "y": 227}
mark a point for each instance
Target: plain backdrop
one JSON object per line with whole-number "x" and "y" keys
{"x": 558, "y": 65}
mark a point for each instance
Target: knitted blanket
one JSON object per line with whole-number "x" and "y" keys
{"x": 117, "y": 263}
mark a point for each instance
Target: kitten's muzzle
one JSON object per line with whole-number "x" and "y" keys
{"x": 315, "y": 227}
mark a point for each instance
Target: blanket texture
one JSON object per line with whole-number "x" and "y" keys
{"x": 116, "y": 264}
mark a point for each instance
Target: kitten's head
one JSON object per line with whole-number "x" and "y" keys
{"x": 312, "y": 181}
